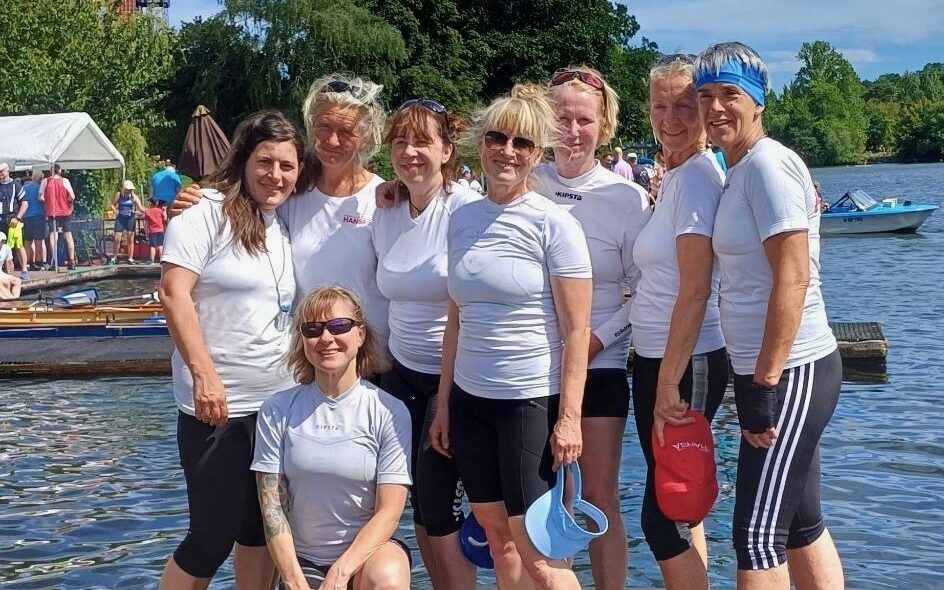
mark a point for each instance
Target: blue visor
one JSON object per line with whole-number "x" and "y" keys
{"x": 736, "y": 72}
{"x": 552, "y": 529}
{"x": 474, "y": 543}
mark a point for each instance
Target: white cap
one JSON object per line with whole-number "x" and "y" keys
{"x": 4, "y": 166}
{"x": 632, "y": 156}
{"x": 127, "y": 185}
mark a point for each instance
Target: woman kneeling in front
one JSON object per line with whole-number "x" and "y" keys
{"x": 332, "y": 457}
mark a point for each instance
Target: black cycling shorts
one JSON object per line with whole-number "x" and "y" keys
{"x": 502, "y": 447}
{"x": 777, "y": 501}
{"x": 315, "y": 573}
{"x": 708, "y": 376}
{"x": 221, "y": 492}
{"x": 606, "y": 394}
{"x": 436, "y": 493}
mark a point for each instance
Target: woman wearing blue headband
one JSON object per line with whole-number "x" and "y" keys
{"x": 786, "y": 364}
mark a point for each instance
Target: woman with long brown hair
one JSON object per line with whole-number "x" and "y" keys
{"x": 227, "y": 286}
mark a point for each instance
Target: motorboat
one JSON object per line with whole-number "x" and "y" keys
{"x": 857, "y": 212}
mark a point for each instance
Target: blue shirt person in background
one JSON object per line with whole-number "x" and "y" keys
{"x": 165, "y": 183}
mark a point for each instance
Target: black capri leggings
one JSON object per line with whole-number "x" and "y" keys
{"x": 436, "y": 493}
{"x": 221, "y": 492}
{"x": 502, "y": 447}
{"x": 707, "y": 375}
{"x": 777, "y": 505}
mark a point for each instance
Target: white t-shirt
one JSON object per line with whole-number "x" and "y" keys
{"x": 333, "y": 452}
{"x": 768, "y": 192}
{"x": 331, "y": 245}
{"x": 611, "y": 210}
{"x": 688, "y": 199}
{"x": 411, "y": 273}
{"x": 501, "y": 258}
{"x": 237, "y": 303}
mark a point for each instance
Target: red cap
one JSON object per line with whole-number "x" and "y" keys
{"x": 685, "y": 482}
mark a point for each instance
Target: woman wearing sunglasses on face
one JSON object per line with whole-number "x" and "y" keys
{"x": 611, "y": 210}
{"x": 330, "y": 220}
{"x": 787, "y": 371}
{"x": 410, "y": 239}
{"x": 332, "y": 457}
{"x": 516, "y": 340}
{"x": 675, "y": 310}
{"x": 228, "y": 257}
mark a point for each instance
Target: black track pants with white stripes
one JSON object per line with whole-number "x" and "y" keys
{"x": 777, "y": 506}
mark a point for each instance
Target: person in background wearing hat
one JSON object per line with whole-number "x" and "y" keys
{"x": 787, "y": 370}
{"x": 467, "y": 180}
{"x": 57, "y": 197}
{"x": 125, "y": 203}
{"x": 9, "y": 284}
{"x": 680, "y": 361}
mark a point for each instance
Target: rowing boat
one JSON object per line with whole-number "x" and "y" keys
{"x": 151, "y": 313}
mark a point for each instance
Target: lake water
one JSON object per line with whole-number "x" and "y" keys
{"x": 91, "y": 495}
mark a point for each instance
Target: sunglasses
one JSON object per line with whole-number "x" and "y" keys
{"x": 685, "y": 58}
{"x": 339, "y": 86}
{"x": 496, "y": 140}
{"x": 430, "y": 105}
{"x": 591, "y": 80}
{"x": 335, "y": 326}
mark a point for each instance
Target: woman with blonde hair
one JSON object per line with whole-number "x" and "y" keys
{"x": 611, "y": 210}
{"x": 410, "y": 238}
{"x": 227, "y": 288}
{"x": 516, "y": 338}
{"x": 330, "y": 219}
{"x": 680, "y": 362}
{"x": 332, "y": 457}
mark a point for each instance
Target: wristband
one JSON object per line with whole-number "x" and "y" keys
{"x": 756, "y": 407}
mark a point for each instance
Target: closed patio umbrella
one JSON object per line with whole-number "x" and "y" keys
{"x": 204, "y": 147}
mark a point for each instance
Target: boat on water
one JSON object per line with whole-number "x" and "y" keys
{"x": 857, "y": 212}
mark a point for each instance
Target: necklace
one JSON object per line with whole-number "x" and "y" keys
{"x": 284, "y": 318}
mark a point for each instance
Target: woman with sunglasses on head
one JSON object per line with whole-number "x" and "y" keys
{"x": 228, "y": 257}
{"x": 330, "y": 220}
{"x": 787, "y": 370}
{"x": 516, "y": 339}
{"x": 410, "y": 238}
{"x": 332, "y": 457}
{"x": 611, "y": 210}
{"x": 680, "y": 361}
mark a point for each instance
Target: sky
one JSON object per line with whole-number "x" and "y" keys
{"x": 876, "y": 36}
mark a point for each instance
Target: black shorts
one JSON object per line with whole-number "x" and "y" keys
{"x": 124, "y": 223}
{"x": 315, "y": 573}
{"x": 606, "y": 394}
{"x": 502, "y": 447}
{"x": 777, "y": 501}
{"x": 221, "y": 492}
{"x": 34, "y": 228}
{"x": 708, "y": 376}
{"x": 60, "y": 222}
{"x": 436, "y": 493}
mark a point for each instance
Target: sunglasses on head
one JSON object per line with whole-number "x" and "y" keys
{"x": 335, "y": 326}
{"x": 591, "y": 80}
{"x": 685, "y": 58}
{"x": 338, "y": 86}
{"x": 495, "y": 140}
{"x": 430, "y": 105}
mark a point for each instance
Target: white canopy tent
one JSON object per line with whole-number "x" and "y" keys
{"x": 72, "y": 140}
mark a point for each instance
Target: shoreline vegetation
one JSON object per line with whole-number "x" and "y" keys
{"x": 140, "y": 80}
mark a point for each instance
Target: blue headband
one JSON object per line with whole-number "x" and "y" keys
{"x": 748, "y": 78}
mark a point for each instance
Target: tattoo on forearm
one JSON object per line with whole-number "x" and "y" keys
{"x": 273, "y": 501}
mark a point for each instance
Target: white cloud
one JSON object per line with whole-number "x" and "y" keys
{"x": 860, "y": 56}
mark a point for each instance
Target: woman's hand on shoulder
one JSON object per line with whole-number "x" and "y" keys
{"x": 186, "y": 198}
{"x": 385, "y": 194}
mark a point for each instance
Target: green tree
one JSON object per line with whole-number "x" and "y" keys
{"x": 79, "y": 55}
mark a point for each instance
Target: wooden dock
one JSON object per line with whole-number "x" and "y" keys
{"x": 41, "y": 280}
{"x": 862, "y": 346}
